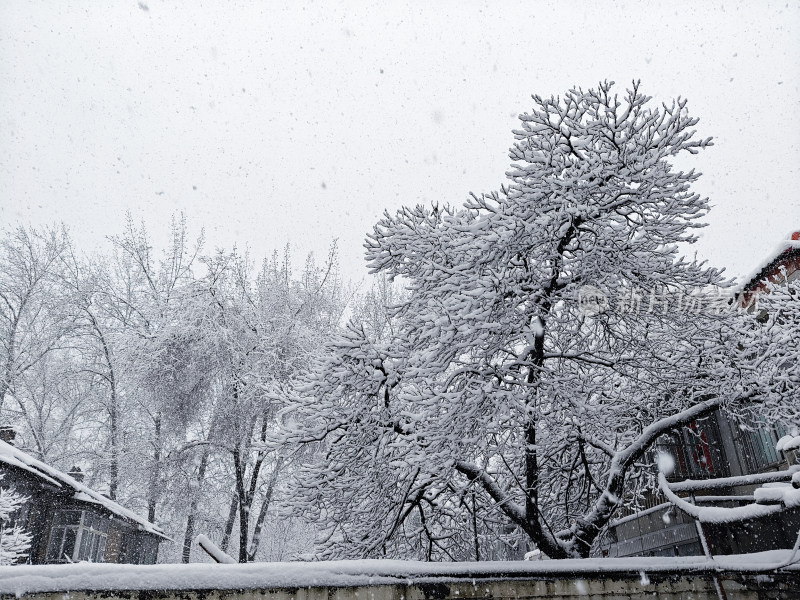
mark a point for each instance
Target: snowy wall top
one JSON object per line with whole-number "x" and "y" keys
{"x": 25, "y": 579}
{"x": 14, "y": 457}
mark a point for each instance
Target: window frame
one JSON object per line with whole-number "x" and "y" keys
{"x": 90, "y": 536}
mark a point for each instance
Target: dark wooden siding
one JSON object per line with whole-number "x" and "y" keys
{"x": 44, "y": 499}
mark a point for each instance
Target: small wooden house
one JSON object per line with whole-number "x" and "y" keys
{"x": 70, "y": 522}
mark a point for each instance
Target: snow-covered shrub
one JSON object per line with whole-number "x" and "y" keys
{"x": 14, "y": 541}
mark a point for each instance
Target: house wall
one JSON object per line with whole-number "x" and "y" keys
{"x": 727, "y": 436}
{"x": 114, "y": 544}
{"x": 756, "y": 535}
{"x": 44, "y": 500}
{"x": 36, "y": 516}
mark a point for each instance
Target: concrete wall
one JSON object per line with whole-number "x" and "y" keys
{"x": 699, "y": 586}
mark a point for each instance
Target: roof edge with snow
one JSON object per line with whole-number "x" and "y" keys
{"x": 14, "y": 457}
{"x": 786, "y": 249}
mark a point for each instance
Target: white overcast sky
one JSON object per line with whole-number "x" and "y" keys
{"x": 301, "y": 122}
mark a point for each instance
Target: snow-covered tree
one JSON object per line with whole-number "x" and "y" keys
{"x": 31, "y": 322}
{"x": 269, "y": 327}
{"x": 161, "y": 373}
{"x": 500, "y": 403}
{"x": 45, "y": 391}
{"x": 14, "y": 540}
{"x": 765, "y": 348}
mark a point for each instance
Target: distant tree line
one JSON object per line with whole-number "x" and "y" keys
{"x": 162, "y": 374}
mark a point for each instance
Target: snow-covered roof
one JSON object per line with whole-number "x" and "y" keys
{"x": 787, "y": 248}
{"x": 15, "y": 457}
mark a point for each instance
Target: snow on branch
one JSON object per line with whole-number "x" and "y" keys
{"x": 213, "y": 550}
{"x": 14, "y": 541}
{"x": 689, "y": 485}
{"x": 514, "y": 511}
{"x": 717, "y": 514}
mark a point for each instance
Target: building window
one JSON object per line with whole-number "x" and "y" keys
{"x": 696, "y": 450}
{"x": 77, "y": 535}
{"x": 757, "y": 445}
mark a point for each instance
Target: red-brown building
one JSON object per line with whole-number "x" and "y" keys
{"x": 783, "y": 267}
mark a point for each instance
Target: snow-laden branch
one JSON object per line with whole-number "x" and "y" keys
{"x": 717, "y": 514}
{"x": 582, "y": 357}
{"x": 652, "y": 432}
{"x": 688, "y": 485}
{"x": 473, "y": 471}
{"x": 213, "y": 550}
{"x": 599, "y": 444}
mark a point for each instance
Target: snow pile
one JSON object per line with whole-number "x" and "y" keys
{"x": 16, "y": 458}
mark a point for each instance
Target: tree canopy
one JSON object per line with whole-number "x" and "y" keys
{"x": 498, "y": 403}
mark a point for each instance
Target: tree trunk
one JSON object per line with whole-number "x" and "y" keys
{"x": 114, "y": 467}
{"x": 8, "y": 368}
{"x": 244, "y": 505}
{"x": 197, "y": 492}
{"x": 532, "y": 516}
{"x": 475, "y": 528}
{"x": 189, "y": 536}
{"x": 262, "y": 514}
{"x": 112, "y": 409}
{"x": 155, "y": 473}
{"x": 226, "y": 537}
